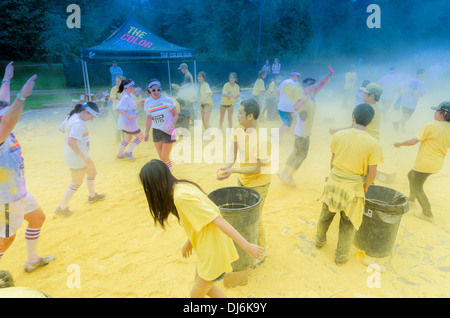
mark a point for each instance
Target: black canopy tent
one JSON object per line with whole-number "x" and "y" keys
{"x": 132, "y": 42}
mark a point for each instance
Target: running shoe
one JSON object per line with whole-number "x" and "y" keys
{"x": 98, "y": 197}
{"x": 41, "y": 262}
{"x": 129, "y": 156}
{"x": 66, "y": 212}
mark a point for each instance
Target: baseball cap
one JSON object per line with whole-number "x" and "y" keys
{"x": 445, "y": 106}
{"x": 373, "y": 88}
{"x": 182, "y": 65}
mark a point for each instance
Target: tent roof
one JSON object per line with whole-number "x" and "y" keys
{"x": 133, "y": 42}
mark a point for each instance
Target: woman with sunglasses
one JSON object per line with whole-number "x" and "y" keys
{"x": 77, "y": 154}
{"x": 162, "y": 116}
{"x": 127, "y": 109}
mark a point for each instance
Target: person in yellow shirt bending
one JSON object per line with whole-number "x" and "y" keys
{"x": 254, "y": 157}
{"x": 209, "y": 234}
{"x": 353, "y": 153}
{"x": 434, "y": 141}
{"x": 230, "y": 93}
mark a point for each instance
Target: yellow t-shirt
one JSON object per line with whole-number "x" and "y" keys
{"x": 354, "y": 150}
{"x": 229, "y": 90}
{"x": 205, "y": 90}
{"x": 215, "y": 250}
{"x": 113, "y": 94}
{"x": 434, "y": 141}
{"x": 374, "y": 127}
{"x": 258, "y": 88}
{"x": 270, "y": 93}
{"x": 251, "y": 147}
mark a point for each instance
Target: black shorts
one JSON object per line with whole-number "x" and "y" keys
{"x": 159, "y": 135}
{"x": 132, "y": 133}
{"x": 226, "y": 106}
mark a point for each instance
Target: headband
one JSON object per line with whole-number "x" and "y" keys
{"x": 89, "y": 110}
{"x": 154, "y": 83}
{"x": 129, "y": 84}
{"x": 295, "y": 73}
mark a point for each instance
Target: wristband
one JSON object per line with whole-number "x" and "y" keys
{"x": 329, "y": 75}
{"x": 6, "y": 80}
{"x": 20, "y": 97}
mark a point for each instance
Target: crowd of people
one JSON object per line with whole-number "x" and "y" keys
{"x": 355, "y": 154}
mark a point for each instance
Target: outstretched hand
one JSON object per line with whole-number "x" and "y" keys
{"x": 27, "y": 89}
{"x": 331, "y": 70}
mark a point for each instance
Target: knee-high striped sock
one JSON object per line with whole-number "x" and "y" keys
{"x": 68, "y": 195}
{"x": 90, "y": 181}
{"x": 169, "y": 164}
{"x": 136, "y": 142}
{"x": 123, "y": 145}
{"x": 31, "y": 240}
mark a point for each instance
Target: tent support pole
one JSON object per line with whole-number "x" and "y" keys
{"x": 84, "y": 77}
{"x": 88, "y": 85}
{"x": 195, "y": 72}
{"x": 170, "y": 82}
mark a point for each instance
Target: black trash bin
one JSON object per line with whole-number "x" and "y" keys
{"x": 240, "y": 207}
{"x": 383, "y": 212}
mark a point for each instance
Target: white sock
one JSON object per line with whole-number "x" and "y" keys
{"x": 90, "y": 181}
{"x": 136, "y": 142}
{"x": 68, "y": 195}
{"x": 31, "y": 240}
{"x": 169, "y": 164}
{"x": 123, "y": 145}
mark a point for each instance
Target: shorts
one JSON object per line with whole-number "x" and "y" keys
{"x": 11, "y": 214}
{"x": 132, "y": 133}
{"x": 219, "y": 278}
{"x": 286, "y": 118}
{"x": 226, "y": 106}
{"x": 407, "y": 111}
{"x": 207, "y": 107}
{"x": 159, "y": 135}
{"x": 74, "y": 161}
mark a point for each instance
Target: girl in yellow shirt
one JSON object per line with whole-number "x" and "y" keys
{"x": 230, "y": 93}
{"x": 209, "y": 234}
{"x": 259, "y": 89}
{"x": 206, "y": 103}
{"x": 434, "y": 141}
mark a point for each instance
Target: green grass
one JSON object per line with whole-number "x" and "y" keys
{"x": 46, "y": 79}
{"x": 36, "y": 101}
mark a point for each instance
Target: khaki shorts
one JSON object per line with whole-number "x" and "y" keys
{"x": 11, "y": 214}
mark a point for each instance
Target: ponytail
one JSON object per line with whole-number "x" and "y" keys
{"x": 122, "y": 84}
{"x": 80, "y": 107}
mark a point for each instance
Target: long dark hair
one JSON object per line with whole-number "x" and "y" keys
{"x": 80, "y": 107}
{"x": 123, "y": 83}
{"x": 158, "y": 183}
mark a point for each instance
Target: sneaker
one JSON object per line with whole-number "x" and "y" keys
{"x": 41, "y": 262}
{"x": 119, "y": 157}
{"x": 129, "y": 156}
{"x": 66, "y": 212}
{"x": 422, "y": 216}
{"x": 98, "y": 197}
{"x": 6, "y": 279}
{"x": 340, "y": 261}
{"x": 286, "y": 180}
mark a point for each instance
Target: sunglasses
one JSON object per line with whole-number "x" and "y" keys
{"x": 156, "y": 90}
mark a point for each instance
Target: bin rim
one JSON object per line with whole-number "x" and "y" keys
{"x": 238, "y": 187}
{"x": 400, "y": 208}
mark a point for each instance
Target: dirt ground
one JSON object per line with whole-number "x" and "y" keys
{"x": 113, "y": 249}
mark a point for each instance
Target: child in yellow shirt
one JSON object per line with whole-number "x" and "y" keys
{"x": 434, "y": 141}
{"x": 209, "y": 234}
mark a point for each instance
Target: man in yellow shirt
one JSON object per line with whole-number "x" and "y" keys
{"x": 354, "y": 153}
{"x": 372, "y": 94}
{"x": 434, "y": 141}
{"x": 254, "y": 154}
